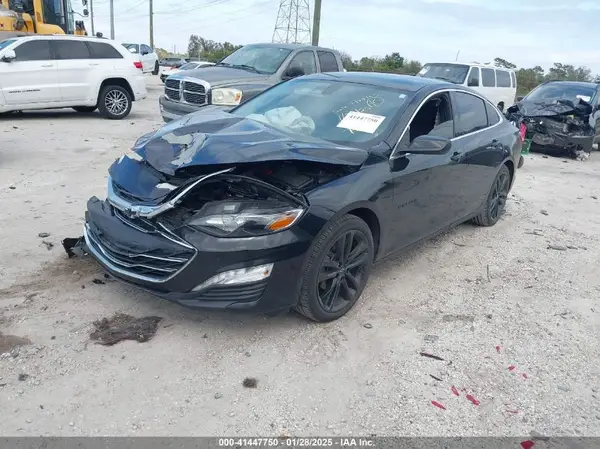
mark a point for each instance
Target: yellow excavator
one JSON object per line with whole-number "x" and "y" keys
{"x": 25, "y": 17}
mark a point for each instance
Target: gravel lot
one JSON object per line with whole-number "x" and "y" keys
{"x": 484, "y": 300}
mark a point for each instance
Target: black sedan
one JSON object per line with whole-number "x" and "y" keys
{"x": 287, "y": 201}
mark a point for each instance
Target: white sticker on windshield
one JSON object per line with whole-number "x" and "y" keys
{"x": 359, "y": 121}
{"x": 584, "y": 98}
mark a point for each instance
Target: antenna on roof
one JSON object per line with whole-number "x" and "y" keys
{"x": 457, "y": 53}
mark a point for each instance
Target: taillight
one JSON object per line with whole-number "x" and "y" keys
{"x": 522, "y": 131}
{"x": 137, "y": 64}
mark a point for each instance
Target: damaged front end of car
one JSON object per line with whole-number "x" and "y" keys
{"x": 557, "y": 127}
{"x": 212, "y": 211}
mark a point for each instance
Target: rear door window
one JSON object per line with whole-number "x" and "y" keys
{"x": 469, "y": 113}
{"x": 71, "y": 49}
{"x": 488, "y": 78}
{"x": 104, "y": 51}
{"x": 36, "y": 50}
{"x": 502, "y": 78}
{"x": 146, "y": 49}
{"x": 328, "y": 62}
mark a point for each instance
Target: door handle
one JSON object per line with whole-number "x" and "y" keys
{"x": 47, "y": 65}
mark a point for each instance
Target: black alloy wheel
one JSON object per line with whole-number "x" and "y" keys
{"x": 496, "y": 200}
{"x": 337, "y": 270}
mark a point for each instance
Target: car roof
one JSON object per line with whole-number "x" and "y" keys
{"x": 574, "y": 83}
{"x": 64, "y": 36}
{"x": 401, "y": 82}
{"x": 472, "y": 64}
{"x": 289, "y": 46}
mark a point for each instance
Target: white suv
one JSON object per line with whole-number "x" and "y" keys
{"x": 83, "y": 73}
{"x": 144, "y": 54}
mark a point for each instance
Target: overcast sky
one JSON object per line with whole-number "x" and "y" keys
{"x": 526, "y": 32}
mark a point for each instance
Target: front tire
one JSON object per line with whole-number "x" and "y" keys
{"x": 85, "y": 109}
{"x": 155, "y": 71}
{"x": 338, "y": 267}
{"x": 114, "y": 102}
{"x": 496, "y": 199}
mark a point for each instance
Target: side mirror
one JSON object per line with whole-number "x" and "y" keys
{"x": 9, "y": 56}
{"x": 132, "y": 50}
{"x": 292, "y": 72}
{"x": 144, "y": 53}
{"x": 519, "y": 99}
{"x": 429, "y": 145}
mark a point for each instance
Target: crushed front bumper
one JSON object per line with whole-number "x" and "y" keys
{"x": 146, "y": 254}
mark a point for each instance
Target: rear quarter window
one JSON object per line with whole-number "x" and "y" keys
{"x": 488, "y": 78}
{"x": 328, "y": 61}
{"x": 492, "y": 115}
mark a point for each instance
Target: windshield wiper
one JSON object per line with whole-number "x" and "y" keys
{"x": 445, "y": 79}
{"x": 245, "y": 67}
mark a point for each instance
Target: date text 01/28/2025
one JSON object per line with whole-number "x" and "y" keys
{"x": 295, "y": 442}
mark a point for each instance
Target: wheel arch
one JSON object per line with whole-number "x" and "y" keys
{"x": 121, "y": 82}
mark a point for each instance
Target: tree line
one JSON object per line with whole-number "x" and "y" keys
{"x": 527, "y": 78}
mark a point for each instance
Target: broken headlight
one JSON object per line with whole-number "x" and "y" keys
{"x": 245, "y": 218}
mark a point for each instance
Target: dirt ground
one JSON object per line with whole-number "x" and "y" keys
{"x": 513, "y": 311}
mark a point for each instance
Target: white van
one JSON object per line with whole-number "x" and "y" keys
{"x": 497, "y": 84}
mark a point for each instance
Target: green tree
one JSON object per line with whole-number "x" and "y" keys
{"x": 499, "y": 62}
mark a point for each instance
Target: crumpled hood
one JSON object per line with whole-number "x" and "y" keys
{"x": 214, "y": 137}
{"x": 530, "y": 108}
{"x": 218, "y": 75}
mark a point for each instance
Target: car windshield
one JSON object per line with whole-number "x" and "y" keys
{"x": 341, "y": 112}
{"x": 454, "y": 73}
{"x": 6, "y": 43}
{"x": 188, "y": 66}
{"x": 260, "y": 58}
{"x": 561, "y": 91}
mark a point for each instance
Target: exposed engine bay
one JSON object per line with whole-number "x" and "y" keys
{"x": 557, "y": 127}
{"x": 282, "y": 183}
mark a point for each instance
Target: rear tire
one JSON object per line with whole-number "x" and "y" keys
{"x": 85, "y": 109}
{"x": 114, "y": 102}
{"x": 155, "y": 71}
{"x": 337, "y": 269}
{"x": 496, "y": 199}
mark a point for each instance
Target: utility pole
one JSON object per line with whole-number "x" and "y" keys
{"x": 92, "y": 16}
{"x": 112, "y": 19}
{"x": 151, "y": 25}
{"x": 316, "y": 22}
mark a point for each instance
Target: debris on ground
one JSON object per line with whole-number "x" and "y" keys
{"x": 472, "y": 398}
{"x": 12, "y": 187}
{"x": 454, "y": 391}
{"x": 98, "y": 281}
{"x": 557, "y": 247}
{"x": 43, "y": 235}
{"x": 49, "y": 245}
{"x": 23, "y": 377}
{"x": 528, "y": 444}
{"x": 218, "y": 395}
{"x": 511, "y": 367}
{"x": 109, "y": 331}
{"x": 9, "y": 342}
{"x": 431, "y": 356}
{"x": 438, "y": 405}
{"x": 498, "y": 349}
{"x": 250, "y": 382}
{"x": 74, "y": 246}
{"x": 368, "y": 325}
{"x": 431, "y": 338}
{"x": 435, "y": 377}
{"x": 544, "y": 212}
